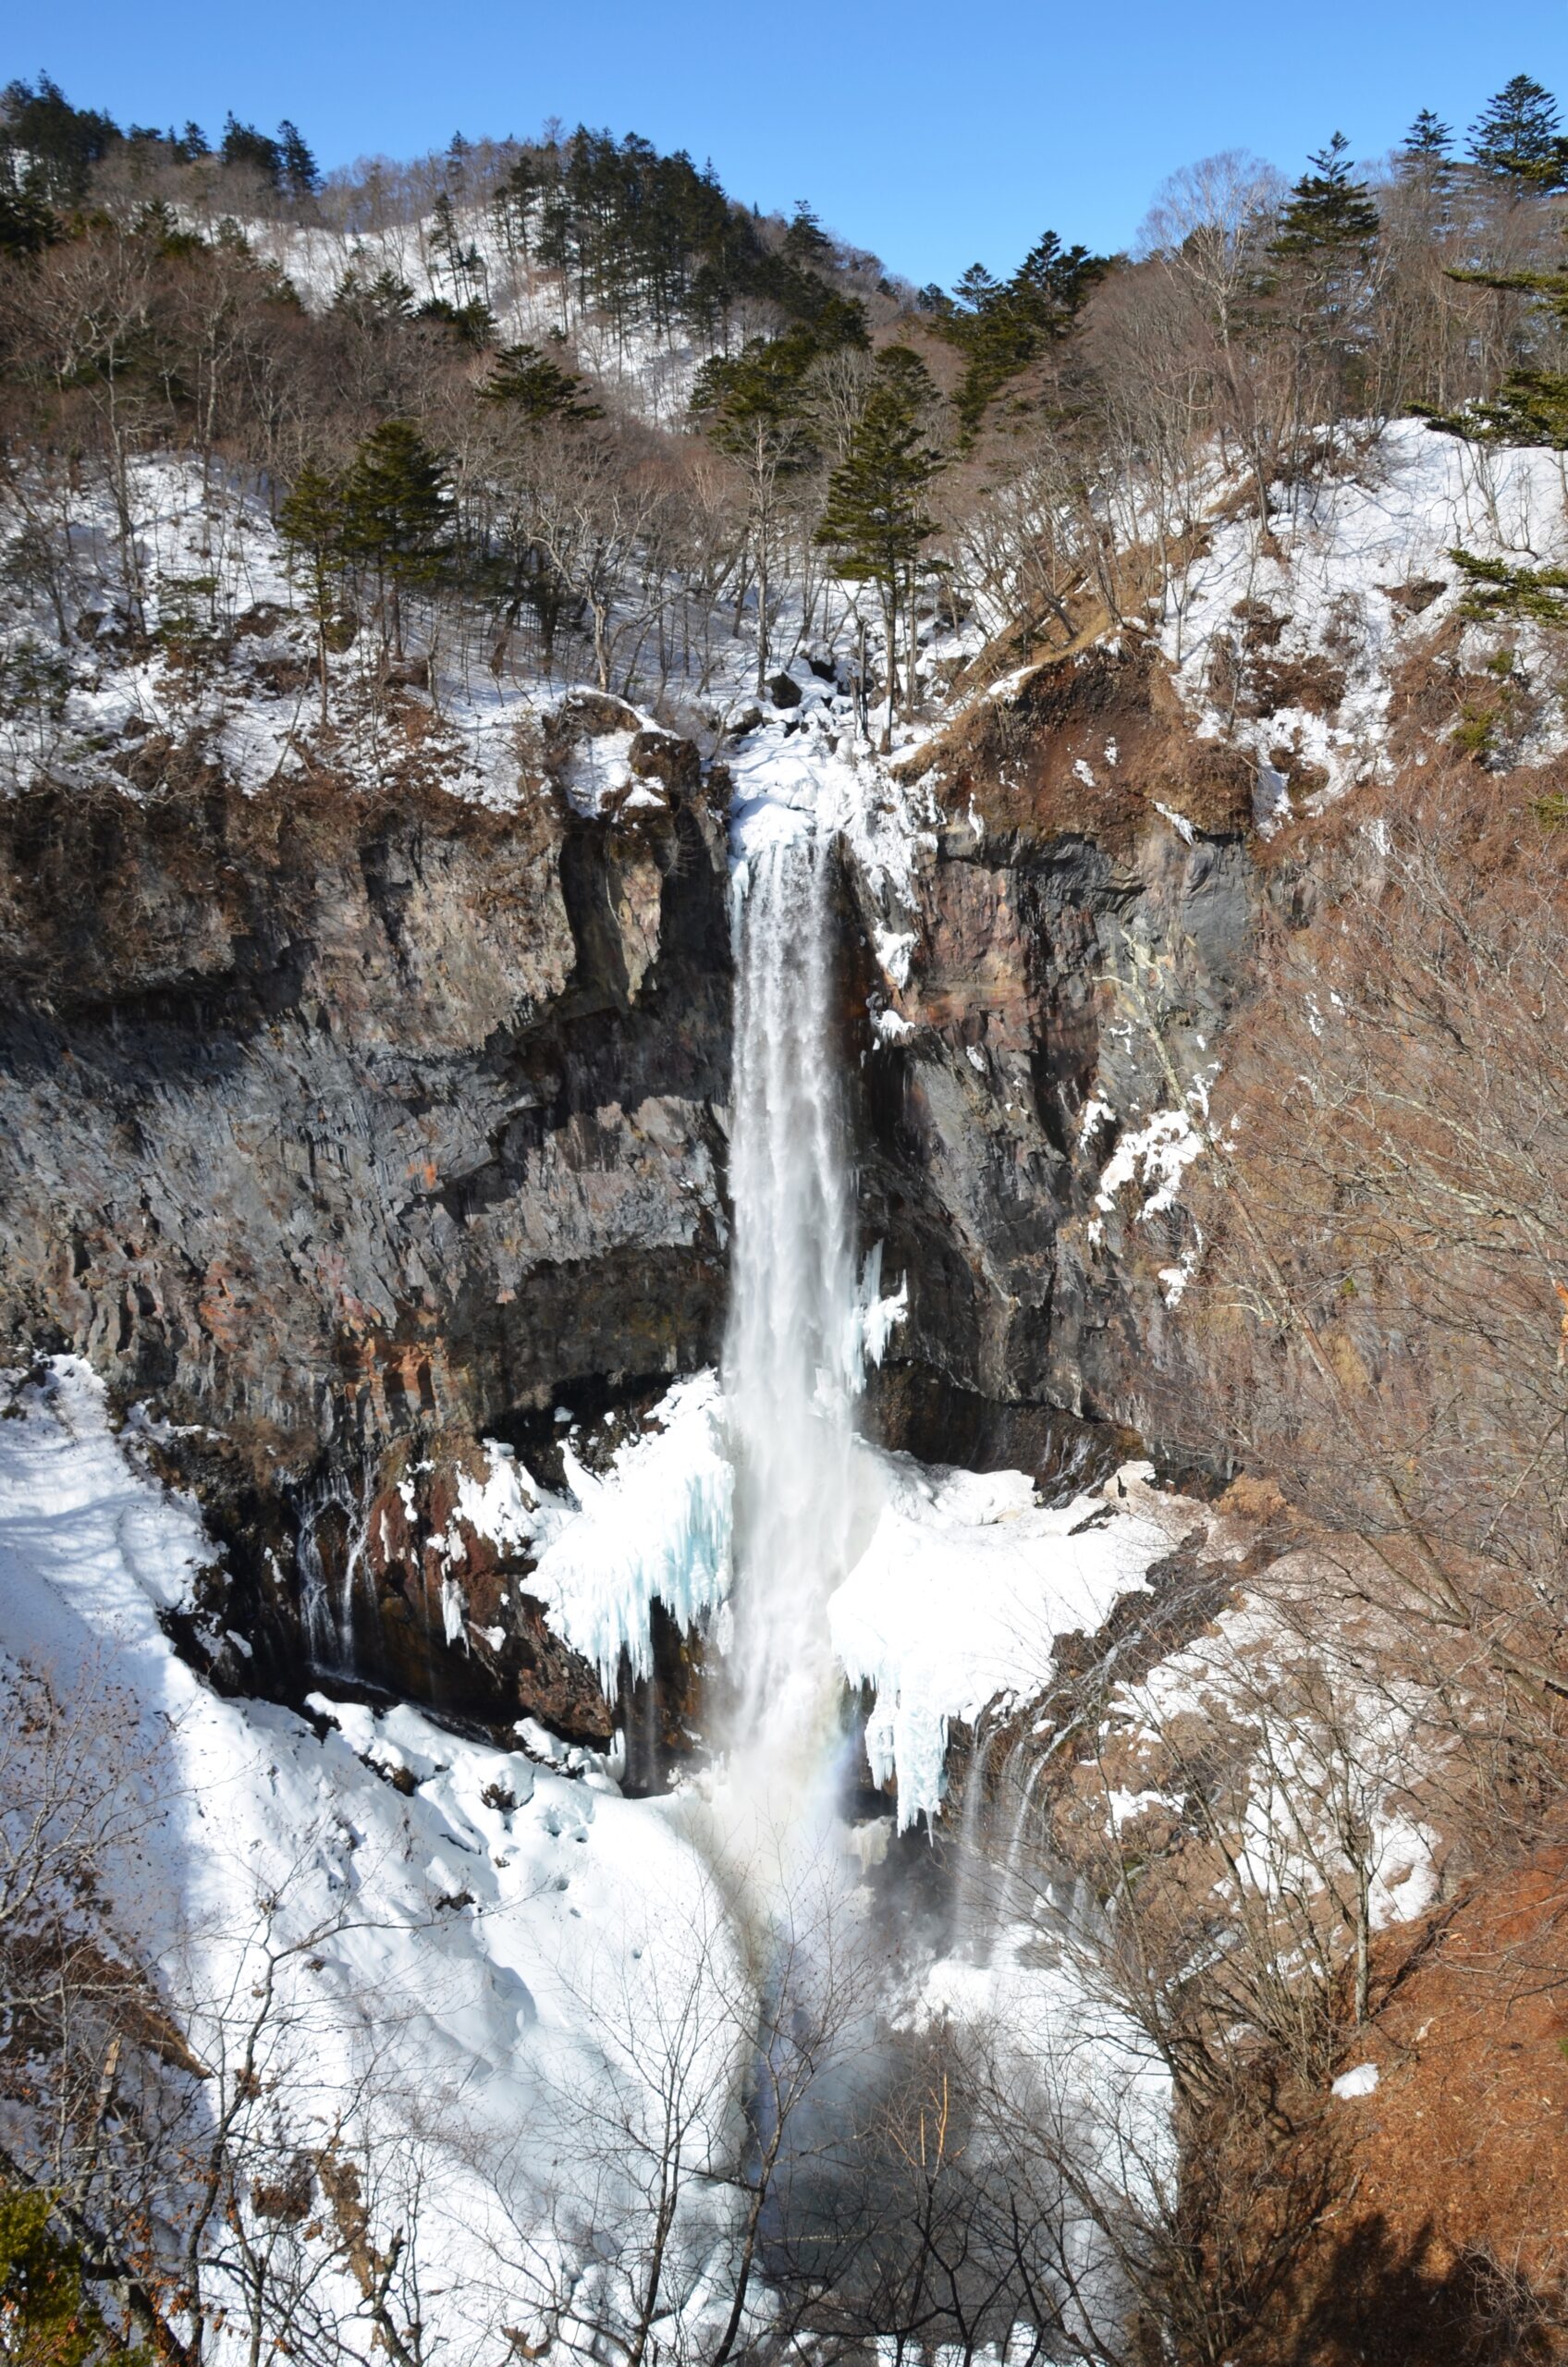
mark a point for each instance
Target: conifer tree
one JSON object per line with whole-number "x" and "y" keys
{"x": 1003, "y": 326}
{"x": 374, "y": 301}
{"x": 244, "y": 145}
{"x": 1327, "y": 212}
{"x": 875, "y": 521}
{"x": 397, "y": 511}
{"x": 901, "y": 366}
{"x": 1325, "y": 237}
{"x": 805, "y": 242}
{"x": 1517, "y": 139}
{"x": 976, "y": 289}
{"x": 1428, "y": 136}
{"x": 312, "y": 522}
{"x": 534, "y": 389}
{"x": 27, "y": 221}
{"x": 46, "y": 2319}
{"x": 1531, "y": 406}
{"x": 47, "y": 147}
{"x": 1425, "y": 162}
{"x": 753, "y": 406}
{"x": 297, "y": 168}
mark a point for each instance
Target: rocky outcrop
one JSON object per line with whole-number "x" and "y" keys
{"x": 1083, "y": 922}
{"x": 348, "y": 1126}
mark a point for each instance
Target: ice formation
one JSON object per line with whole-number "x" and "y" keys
{"x": 659, "y": 1524}
{"x": 958, "y": 1599}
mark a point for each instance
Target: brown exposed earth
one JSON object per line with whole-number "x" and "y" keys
{"x": 1448, "y": 2237}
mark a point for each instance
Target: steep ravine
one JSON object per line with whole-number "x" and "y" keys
{"x": 347, "y": 1129}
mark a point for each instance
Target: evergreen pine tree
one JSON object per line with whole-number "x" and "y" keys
{"x": 1327, "y": 211}
{"x": 397, "y": 512}
{"x": 374, "y": 301}
{"x": 312, "y": 522}
{"x": 901, "y": 366}
{"x": 298, "y": 170}
{"x": 805, "y": 240}
{"x": 46, "y": 2319}
{"x": 1325, "y": 240}
{"x": 975, "y": 290}
{"x": 1003, "y": 326}
{"x": 874, "y": 519}
{"x": 243, "y": 144}
{"x": 27, "y": 221}
{"x": 47, "y": 147}
{"x": 1517, "y": 139}
{"x": 1531, "y": 406}
{"x": 753, "y": 407}
{"x": 1427, "y": 137}
{"x": 1426, "y": 161}
{"x": 535, "y": 388}
{"x": 514, "y": 201}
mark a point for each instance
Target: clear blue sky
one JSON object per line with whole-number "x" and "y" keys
{"x": 934, "y": 133}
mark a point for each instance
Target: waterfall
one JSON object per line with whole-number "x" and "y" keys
{"x": 793, "y": 1353}
{"x": 329, "y": 1613}
{"x": 972, "y": 1909}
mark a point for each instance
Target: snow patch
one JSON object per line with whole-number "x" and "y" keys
{"x": 958, "y": 1598}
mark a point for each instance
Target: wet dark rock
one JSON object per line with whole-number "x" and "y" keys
{"x": 1072, "y": 939}
{"x": 921, "y": 1411}
{"x": 352, "y": 1129}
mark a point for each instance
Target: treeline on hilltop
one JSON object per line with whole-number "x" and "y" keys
{"x": 645, "y": 238}
{"x": 1009, "y": 449}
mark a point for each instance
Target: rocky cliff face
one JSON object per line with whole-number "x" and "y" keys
{"x": 348, "y": 1126}
{"x": 1084, "y": 917}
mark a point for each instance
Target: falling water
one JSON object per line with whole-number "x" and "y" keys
{"x": 792, "y": 1357}
{"x": 329, "y": 1611}
{"x": 972, "y": 1914}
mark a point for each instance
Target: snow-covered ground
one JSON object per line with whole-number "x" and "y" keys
{"x": 478, "y": 1956}
{"x": 231, "y": 678}
{"x": 474, "y": 1956}
{"x": 1327, "y": 1793}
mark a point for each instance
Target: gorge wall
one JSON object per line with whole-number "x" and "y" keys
{"x": 1086, "y": 907}
{"x": 350, "y": 1127}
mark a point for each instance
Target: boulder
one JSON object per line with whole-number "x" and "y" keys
{"x": 661, "y": 756}
{"x": 587, "y": 715}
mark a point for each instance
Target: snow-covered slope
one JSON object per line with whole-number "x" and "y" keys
{"x": 651, "y": 371}
{"x": 1290, "y": 634}
{"x": 464, "y": 1942}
